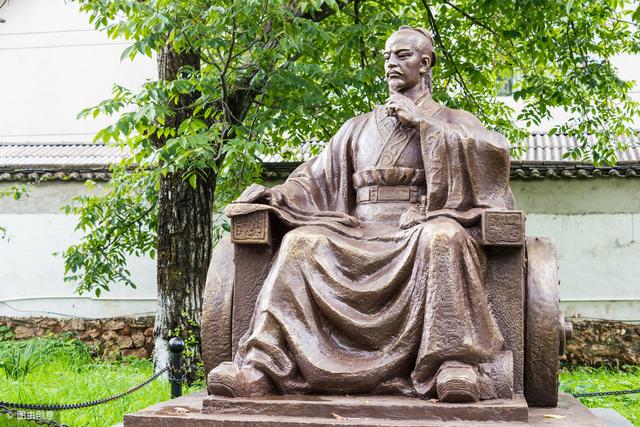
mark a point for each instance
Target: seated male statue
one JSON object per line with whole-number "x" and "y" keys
{"x": 378, "y": 287}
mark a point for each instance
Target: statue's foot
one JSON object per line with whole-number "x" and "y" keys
{"x": 227, "y": 380}
{"x": 457, "y": 383}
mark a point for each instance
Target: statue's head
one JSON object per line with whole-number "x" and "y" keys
{"x": 409, "y": 54}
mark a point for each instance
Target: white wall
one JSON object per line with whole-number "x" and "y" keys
{"x": 595, "y": 224}
{"x": 53, "y": 64}
{"x": 31, "y": 276}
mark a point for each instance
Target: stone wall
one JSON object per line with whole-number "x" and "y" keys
{"x": 603, "y": 342}
{"x": 595, "y": 342}
{"x": 110, "y": 338}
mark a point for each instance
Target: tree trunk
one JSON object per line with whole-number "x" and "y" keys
{"x": 184, "y": 239}
{"x": 184, "y": 213}
{"x": 184, "y": 250}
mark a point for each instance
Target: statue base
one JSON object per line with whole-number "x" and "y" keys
{"x": 200, "y": 410}
{"x": 368, "y": 408}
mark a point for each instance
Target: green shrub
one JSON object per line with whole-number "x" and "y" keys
{"x": 23, "y": 358}
{"x": 70, "y": 351}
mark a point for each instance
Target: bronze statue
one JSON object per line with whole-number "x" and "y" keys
{"x": 379, "y": 284}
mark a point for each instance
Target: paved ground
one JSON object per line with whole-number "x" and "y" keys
{"x": 611, "y": 417}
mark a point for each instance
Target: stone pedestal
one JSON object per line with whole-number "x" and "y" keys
{"x": 369, "y": 408}
{"x": 200, "y": 410}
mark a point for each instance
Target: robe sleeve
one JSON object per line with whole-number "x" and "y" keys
{"x": 320, "y": 191}
{"x": 466, "y": 168}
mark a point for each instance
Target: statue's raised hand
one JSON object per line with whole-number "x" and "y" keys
{"x": 408, "y": 113}
{"x": 405, "y": 110}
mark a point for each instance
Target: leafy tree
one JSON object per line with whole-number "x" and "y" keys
{"x": 239, "y": 80}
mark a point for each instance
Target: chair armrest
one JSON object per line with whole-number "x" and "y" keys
{"x": 502, "y": 228}
{"x": 252, "y": 228}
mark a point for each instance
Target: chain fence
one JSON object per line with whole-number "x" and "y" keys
{"x": 606, "y": 393}
{"x": 65, "y": 407}
{"x": 174, "y": 370}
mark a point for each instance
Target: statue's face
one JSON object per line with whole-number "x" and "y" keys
{"x": 404, "y": 63}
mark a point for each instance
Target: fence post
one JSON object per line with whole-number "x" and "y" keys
{"x": 176, "y": 345}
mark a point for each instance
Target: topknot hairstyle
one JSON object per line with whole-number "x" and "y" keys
{"x": 429, "y": 38}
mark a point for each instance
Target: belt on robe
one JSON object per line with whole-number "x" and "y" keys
{"x": 389, "y": 193}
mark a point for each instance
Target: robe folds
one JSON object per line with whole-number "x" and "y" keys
{"x": 354, "y": 303}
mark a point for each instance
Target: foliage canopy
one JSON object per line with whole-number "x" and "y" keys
{"x": 274, "y": 74}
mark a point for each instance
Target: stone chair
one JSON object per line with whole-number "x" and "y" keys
{"x": 521, "y": 280}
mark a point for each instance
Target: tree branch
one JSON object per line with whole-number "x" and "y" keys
{"x": 459, "y": 78}
{"x": 245, "y": 91}
{"x": 356, "y": 20}
{"x": 481, "y": 24}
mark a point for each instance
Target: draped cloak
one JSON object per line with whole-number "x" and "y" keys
{"x": 354, "y": 303}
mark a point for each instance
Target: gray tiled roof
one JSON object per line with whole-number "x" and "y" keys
{"x": 547, "y": 149}
{"x": 544, "y": 159}
{"x": 80, "y": 161}
{"x": 543, "y": 149}
{"x": 59, "y": 155}
{"x": 58, "y": 161}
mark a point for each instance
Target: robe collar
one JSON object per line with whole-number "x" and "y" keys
{"x": 426, "y": 103}
{"x": 395, "y": 137}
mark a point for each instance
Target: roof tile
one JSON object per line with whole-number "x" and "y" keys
{"x": 543, "y": 158}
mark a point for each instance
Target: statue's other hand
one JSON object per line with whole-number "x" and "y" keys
{"x": 411, "y": 217}
{"x": 405, "y": 110}
{"x": 255, "y": 193}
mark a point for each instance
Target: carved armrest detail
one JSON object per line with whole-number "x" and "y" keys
{"x": 502, "y": 228}
{"x": 252, "y": 228}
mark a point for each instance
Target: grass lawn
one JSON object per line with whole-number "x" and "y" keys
{"x": 62, "y": 371}
{"x": 585, "y": 380}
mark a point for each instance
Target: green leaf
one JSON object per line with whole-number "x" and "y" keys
{"x": 128, "y": 52}
{"x": 568, "y": 6}
{"x": 636, "y": 14}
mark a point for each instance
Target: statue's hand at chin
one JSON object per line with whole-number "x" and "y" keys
{"x": 405, "y": 110}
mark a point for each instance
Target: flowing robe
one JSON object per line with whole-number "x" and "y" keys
{"x": 354, "y": 303}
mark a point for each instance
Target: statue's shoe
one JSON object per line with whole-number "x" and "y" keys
{"x": 227, "y": 380}
{"x": 457, "y": 383}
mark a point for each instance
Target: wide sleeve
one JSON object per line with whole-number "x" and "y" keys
{"x": 466, "y": 169}
{"x": 320, "y": 191}
{"x": 323, "y": 185}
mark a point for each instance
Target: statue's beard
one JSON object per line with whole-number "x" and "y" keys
{"x": 399, "y": 85}
{"x": 396, "y": 85}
